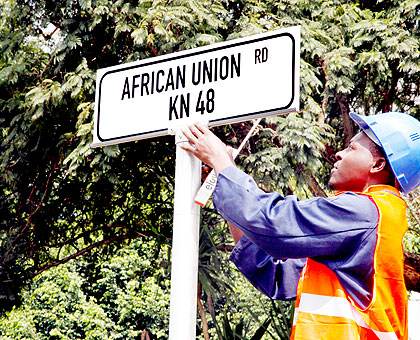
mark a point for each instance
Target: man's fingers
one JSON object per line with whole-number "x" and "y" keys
{"x": 196, "y": 131}
{"x": 202, "y": 128}
{"x": 189, "y": 135}
{"x": 187, "y": 147}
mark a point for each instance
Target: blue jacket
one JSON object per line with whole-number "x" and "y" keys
{"x": 281, "y": 232}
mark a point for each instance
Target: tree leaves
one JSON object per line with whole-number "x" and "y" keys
{"x": 297, "y": 146}
{"x": 61, "y": 198}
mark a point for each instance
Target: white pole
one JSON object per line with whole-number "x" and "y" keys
{"x": 185, "y": 242}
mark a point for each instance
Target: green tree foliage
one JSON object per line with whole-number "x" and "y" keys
{"x": 360, "y": 57}
{"x": 126, "y": 294}
{"x": 61, "y": 199}
{"x": 290, "y": 150}
{"x": 97, "y": 300}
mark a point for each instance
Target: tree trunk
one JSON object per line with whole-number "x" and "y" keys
{"x": 412, "y": 271}
{"x": 347, "y": 122}
{"x": 314, "y": 186}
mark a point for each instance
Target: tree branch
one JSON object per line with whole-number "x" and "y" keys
{"x": 203, "y": 319}
{"x": 39, "y": 270}
{"x": 32, "y": 213}
{"x": 314, "y": 186}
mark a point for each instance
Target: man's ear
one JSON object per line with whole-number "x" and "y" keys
{"x": 379, "y": 165}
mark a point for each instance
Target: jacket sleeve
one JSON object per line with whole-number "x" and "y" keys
{"x": 284, "y": 227}
{"x": 281, "y": 232}
{"x": 277, "y": 279}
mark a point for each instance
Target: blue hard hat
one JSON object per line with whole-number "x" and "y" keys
{"x": 399, "y": 135}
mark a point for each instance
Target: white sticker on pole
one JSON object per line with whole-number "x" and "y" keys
{"x": 209, "y": 184}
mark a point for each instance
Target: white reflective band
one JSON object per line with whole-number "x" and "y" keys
{"x": 338, "y": 307}
{"x": 295, "y": 316}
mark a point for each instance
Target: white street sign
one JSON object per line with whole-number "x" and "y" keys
{"x": 222, "y": 83}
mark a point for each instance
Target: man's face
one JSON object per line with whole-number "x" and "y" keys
{"x": 353, "y": 167}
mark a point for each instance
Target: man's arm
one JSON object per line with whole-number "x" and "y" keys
{"x": 328, "y": 230}
{"x": 339, "y": 232}
{"x": 277, "y": 279}
{"x": 285, "y": 227}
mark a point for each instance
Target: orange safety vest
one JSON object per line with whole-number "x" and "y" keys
{"x": 324, "y": 310}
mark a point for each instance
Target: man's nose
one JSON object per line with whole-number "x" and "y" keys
{"x": 339, "y": 155}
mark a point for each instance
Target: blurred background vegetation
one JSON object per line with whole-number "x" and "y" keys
{"x": 85, "y": 236}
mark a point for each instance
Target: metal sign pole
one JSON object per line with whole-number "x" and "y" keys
{"x": 185, "y": 245}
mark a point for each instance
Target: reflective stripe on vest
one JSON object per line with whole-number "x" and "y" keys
{"x": 336, "y": 307}
{"x": 324, "y": 310}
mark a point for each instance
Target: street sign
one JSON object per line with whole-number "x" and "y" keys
{"x": 222, "y": 83}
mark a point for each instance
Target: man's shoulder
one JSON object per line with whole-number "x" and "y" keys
{"x": 353, "y": 199}
{"x": 352, "y": 205}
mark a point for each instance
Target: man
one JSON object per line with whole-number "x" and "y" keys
{"x": 349, "y": 245}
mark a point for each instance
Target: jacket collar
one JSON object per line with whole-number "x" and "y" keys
{"x": 382, "y": 187}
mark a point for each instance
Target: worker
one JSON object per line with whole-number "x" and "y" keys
{"x": 340, "y": 257}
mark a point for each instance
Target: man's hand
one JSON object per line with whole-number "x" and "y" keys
{"x": 207, "y": 147}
